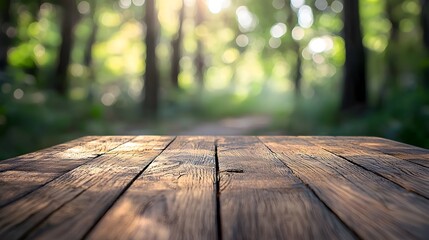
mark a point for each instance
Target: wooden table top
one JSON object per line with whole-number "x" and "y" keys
{"x": 194, "y": 187}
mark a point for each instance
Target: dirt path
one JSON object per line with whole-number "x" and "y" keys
{"x": 244, "y": 125}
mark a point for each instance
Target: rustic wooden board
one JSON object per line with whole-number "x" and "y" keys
{"x": 175, "y": 198}
{"x": 400, "y": 150}
{"x": 69, "y": 206}
{"x": 372, "y": 206}
{"x": 85, "y": 147}
{"x": 9, "y": 164}
{"x": 396, "y": 149}
{"x": 154, "y": 187}
{"x": 140, "y": 144}
{"x": 261, "y": 198}
{"x": 26, "y": 175}
{"x": 409, "y": 175}
{"x": 16, "y": 184}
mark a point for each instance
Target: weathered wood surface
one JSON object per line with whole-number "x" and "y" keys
{"x": 373, "y": 206}
{"x": 409, "y": 175}
{"x": 174, "y": 198}
{"x": 12, "y": 163}
{"x": 400, "y": 150}
{"x": 260, "y": 198}
{"x": 71, "y": 203}
{"x": 27, "y": 173}
{"x": 153, "y": 187}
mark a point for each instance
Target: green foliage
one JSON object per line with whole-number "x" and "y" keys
{"x": 407, "y": 120}
{"x": 39, "y": 119}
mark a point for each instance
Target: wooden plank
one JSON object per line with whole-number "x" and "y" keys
{"x": 28, "y": 175}
{"x": 175, "y": 198}
{"x": 86, "y": 147}
{"x": 400, "y": 150}
{"x": 261, "y": 198}
{"x": 11, "y": 163}
{"x": 396, "y": 149}
{"x": 140, "y": 144}
{"x": 99, "y": 146}
{"x": 371, "y": 205}
{"x": 15, "y": 184}
{"x": 410, "y": 176}
{"x": 69, "y": 206}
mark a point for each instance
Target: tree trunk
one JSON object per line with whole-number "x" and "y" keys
{"x": 354, "y": 85}
{"x": 4, "y": 39}
{"x": 425, "y": 22}
{"x": 297, "y": 76}
{"x": 177, "y": 49}
{"x": 88, "y": 58}
{"x": 392, "y": 69}
{"x": 69, "y": 21}
{"x": 151, "y": 78}
{"x": 34, "y": 68}
{"x": 199, "y": 55}
{"x": 424, "y": 18}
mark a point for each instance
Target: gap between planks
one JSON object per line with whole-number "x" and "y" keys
{"x": 349, "y": 228}
{"x": 85, "y": 236}
{"x": 217, "y": 189}
{"x": 408, "y": 175}
{"x": 378, "y": 174}
{"x": 261, "y": 198}
{"x": 55, "y": 175}
{"x": 216, "y": 194}
{"x": 42, "y": 215}
{"x": 398, "y": 213}
{"x": 403, "y": 151}
{"x": 157, "y": 203}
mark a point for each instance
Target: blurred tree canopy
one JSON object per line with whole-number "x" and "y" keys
{"x": 75, "y": 67}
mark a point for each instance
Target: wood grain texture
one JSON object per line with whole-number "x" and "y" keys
{"x": 174, "y": 198}
{"x": 85, "y": 147}
{"x": 410, "y": 176}
{"x": 371, "y": 205}
{"x": 11, "y": 163}
{"x": 32, "y": 171}
{"x": 151, "y": 187}
{"x": 400, "y": 150}
{"x": 141, "y": 144}
{"x": 69, "y": 206}
{"x": 260, "y": 197}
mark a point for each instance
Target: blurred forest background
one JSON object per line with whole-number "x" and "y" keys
{"x": 302, "y": 67}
